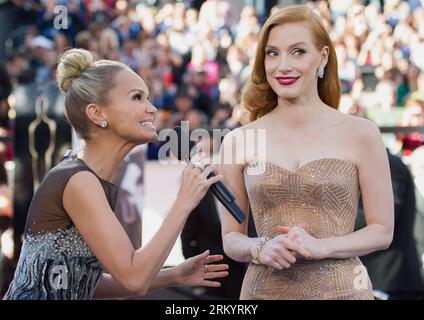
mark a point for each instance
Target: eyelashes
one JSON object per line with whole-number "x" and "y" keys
{"x": 137, "y": 96}
{"x": 271, "y": 53}
{"x": 299, "y": 52}
{"x": 295, "y": 52}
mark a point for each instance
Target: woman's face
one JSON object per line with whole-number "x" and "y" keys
{"x": 130, "y": 114}
{"x": 291, "y": 61}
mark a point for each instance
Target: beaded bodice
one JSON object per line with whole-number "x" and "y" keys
{"x": 323, "y": 194}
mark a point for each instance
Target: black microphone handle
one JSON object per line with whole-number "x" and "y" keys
{"x": 226, "y": 198}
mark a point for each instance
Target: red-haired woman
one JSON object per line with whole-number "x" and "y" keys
{"x": 303, "y": 188}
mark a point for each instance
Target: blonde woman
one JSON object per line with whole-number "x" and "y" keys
{"x": 303, "y": 192}
{"x": 74, "y": 246}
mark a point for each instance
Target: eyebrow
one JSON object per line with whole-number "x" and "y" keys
{"x": 142, "y": 91}
{"x": 291, "y": 46}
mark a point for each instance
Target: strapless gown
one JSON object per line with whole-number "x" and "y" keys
{"x": 324, "y": 194}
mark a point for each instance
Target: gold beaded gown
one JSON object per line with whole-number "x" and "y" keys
{"x": 324, "y": 194}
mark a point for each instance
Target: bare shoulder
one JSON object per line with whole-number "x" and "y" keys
{"x": 83, "y": 177}
{"x": 350, "y": 123}
{"x": 362, "y": 128}
{"x": 240, "y": 132}
{"x": 80, "y": 182}
{"x": 367, "y": 143}
{"x": 230, "y": 138}
{"x": 84, "y": 196}
{"x": 238, "y": 146}
{"x": 256, "y": 124}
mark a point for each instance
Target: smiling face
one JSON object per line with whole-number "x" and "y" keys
{"x": 129, "y": 114}
{"x": 292, "y": 60}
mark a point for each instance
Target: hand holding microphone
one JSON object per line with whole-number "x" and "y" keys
{"x": 195, "y": 182}
{"x": 220, "y": 191}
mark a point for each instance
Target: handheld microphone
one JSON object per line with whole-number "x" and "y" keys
{"x": 220, "y": 191}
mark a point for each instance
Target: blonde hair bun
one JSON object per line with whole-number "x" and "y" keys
{"x": 71, "y": 65}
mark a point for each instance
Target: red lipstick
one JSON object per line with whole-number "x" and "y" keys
{"x": 286, "y": 81}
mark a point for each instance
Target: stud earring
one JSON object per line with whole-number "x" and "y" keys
{"x": 103, "y": 124}
{"x": 321, "y": 71}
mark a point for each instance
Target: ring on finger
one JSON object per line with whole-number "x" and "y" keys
{"x": 199, "y": 164}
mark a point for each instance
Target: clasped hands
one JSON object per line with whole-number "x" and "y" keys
{"x": 292, "y": 242}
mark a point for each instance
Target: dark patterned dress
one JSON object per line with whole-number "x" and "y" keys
{"x": 55, "y": 261}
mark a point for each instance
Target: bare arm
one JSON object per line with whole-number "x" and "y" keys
{"x": 109, "y": 288}
{"x": 237, "y": 245}
{"x": 377, "y": 195}
{"x": 200, "y": 270}
{"x": 134, "y": 270}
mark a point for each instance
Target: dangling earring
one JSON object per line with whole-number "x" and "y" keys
{"x": 321, "y": 71}
{"x": 103, "y": 124}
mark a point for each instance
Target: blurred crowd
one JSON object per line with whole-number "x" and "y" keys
{"x": 196, "y": 58}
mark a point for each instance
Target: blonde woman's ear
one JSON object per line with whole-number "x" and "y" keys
{"x": 95, "y": 115}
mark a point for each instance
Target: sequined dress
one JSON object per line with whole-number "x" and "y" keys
{"x": 324, "y": 194}
{"x": 55, "y": 261}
